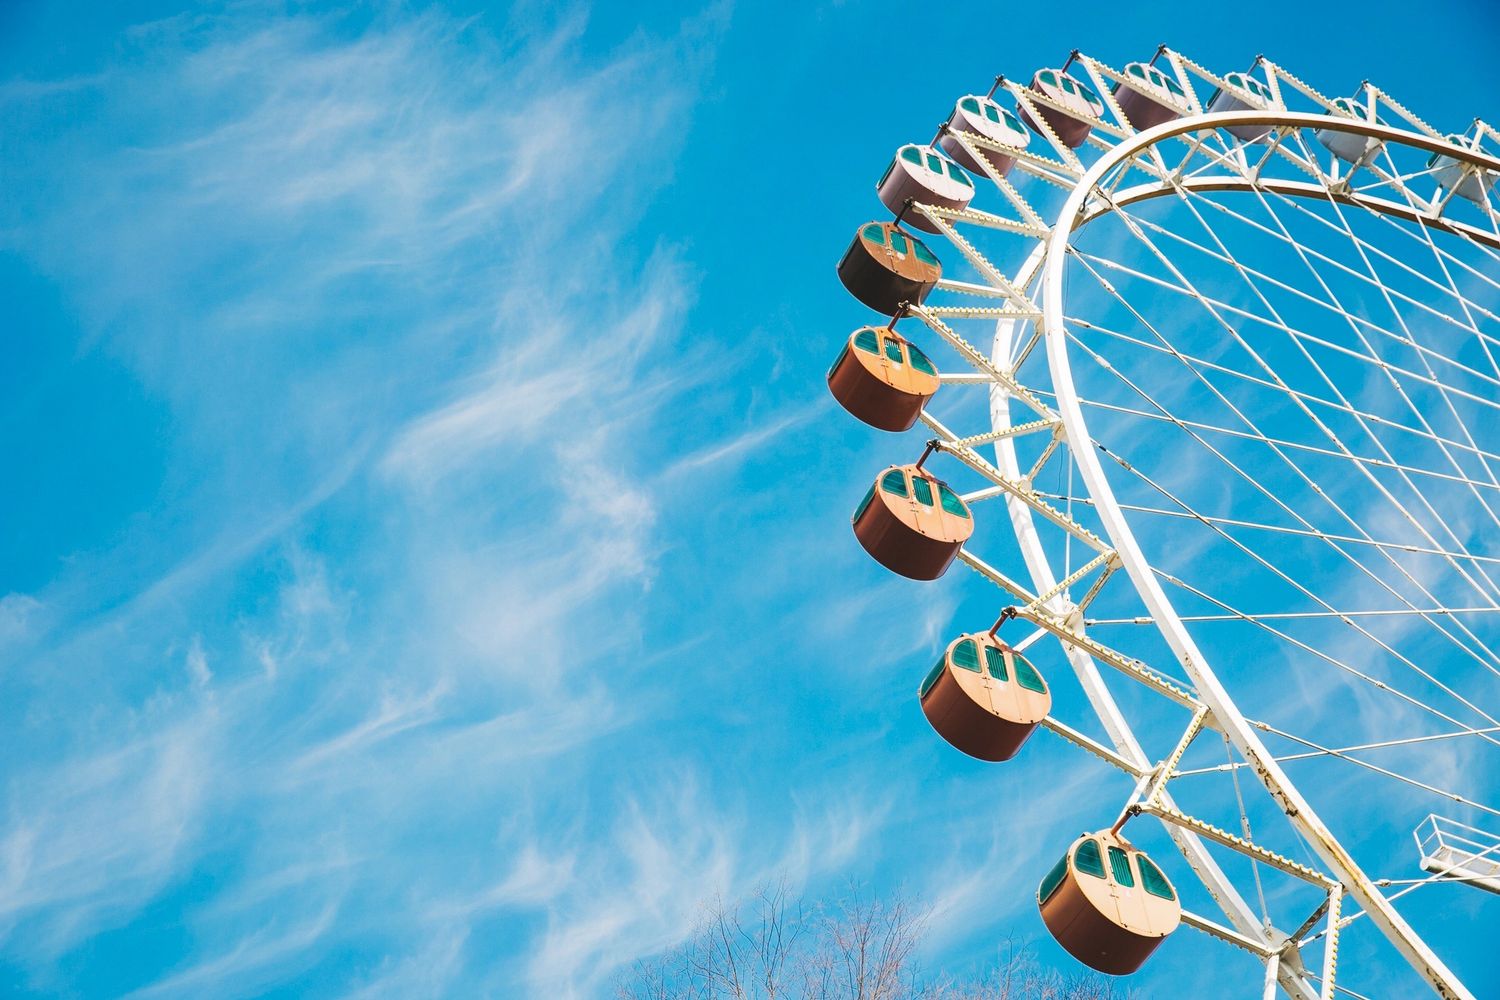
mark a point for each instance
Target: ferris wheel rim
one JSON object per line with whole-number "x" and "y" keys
{"x": 1053, "y": 329}
{"x": 1369, "y": 160}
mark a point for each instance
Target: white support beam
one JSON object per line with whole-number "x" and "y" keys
{"x": 1298, "y": 810}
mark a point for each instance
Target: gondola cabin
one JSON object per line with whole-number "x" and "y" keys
{"x": 1082, "y": 107}
{"x": 1456, "y": 176}
{"x": 912, "y": 523}
{"x": 922, "y": 175}
{"x": 886, "y": 266}
{"x": 984, "y": 117}
{"x": 1243, "y": 93}
{"x": 984, "y": 698}
{"x": 1149, "y": 97}
{"x": 1347, "y": 146}
{"x": 1107, "y": 904}
{"x": 882, "y": 378}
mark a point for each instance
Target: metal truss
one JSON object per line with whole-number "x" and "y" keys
{"x": 1029, "y": 308}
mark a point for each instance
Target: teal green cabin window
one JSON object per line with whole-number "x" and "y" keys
{"x": 1351, "y": 107}
{"x": 923, "y": 490}
{"x": 1137, "y": 70}
{"x": 1119, "y": 867}
{"x": 919, "y": 360}
{"x": 911, "y": 155}
{"x": 1048, "y": 77}
{"x": 1068, "y": 86}
{"x": 893, "y": 350}
{"x": 951, "y": 503}
{"x": 1053, "y": 880}
{"x": 1172, "y": 85}
{"x": 932, "y": 677}
{"x": 1456, "y": 140}
{"x": 966, "y": 655}
{"x": 935, "y": 163}
{"x": 866, "y": 341}
{"x": 863, "y": 504}
{"x": 894, "y": 483}
{"x": 992, "y": 113}
{"x": 839, "y": 360}
{"x": 996, "y": 662}
{"x": 924, "y": 254}
{"x": 1248, "y": 83}
{"x": 1087, "y": 94}
{"x": 1011, "y": 120}
{"x": 1087, "y": 860}
{"x": 875, "y": 233}
{"x": 1152, "y": 880}
{"x": 970, "y": 105}
{"x": 898, "y": 242}
{"x": 1026, "y": 674}
{"x": 957, "y": 173}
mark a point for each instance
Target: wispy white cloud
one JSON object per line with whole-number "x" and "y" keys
{"x": 744, "y": 443}
{"x": 19, "y": 617}
{"x": 196, "y": 662}
{"x": 240, "y": 971}
{"x": 349, "y": 259}
{"x": 670, "y": 853}
{"x": 88, "y": 840}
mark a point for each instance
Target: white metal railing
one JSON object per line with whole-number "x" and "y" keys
{"x": 1455, "y": 850}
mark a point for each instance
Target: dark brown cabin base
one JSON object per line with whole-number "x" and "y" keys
{"x": 1088, "y": 936}
{"x": 1071, "y": 132}
{"x": 968, "y": 726}
{"x": 871, "y": 400}
{"x": 900, "y": 549}
{"x": 876, "y": 285}
{"x": 1142, "y": 111}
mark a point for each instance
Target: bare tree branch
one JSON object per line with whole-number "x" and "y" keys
{"x": 773, "y": 947}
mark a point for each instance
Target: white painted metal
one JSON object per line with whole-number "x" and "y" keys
{"x": 1225, "y": 714}
{"x": 1453, "y": 850}
{"x": 1123, "y": 738}
{"x": 1093, "y": 194}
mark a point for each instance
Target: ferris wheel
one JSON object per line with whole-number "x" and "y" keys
{"x": 1241, "y": 413}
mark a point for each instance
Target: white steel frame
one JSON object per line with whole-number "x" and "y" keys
{"x": 1212, "y": 693}
{"x": 1046, "y": 604}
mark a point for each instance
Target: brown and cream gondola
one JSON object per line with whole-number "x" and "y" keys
{"x": 983, "y": 697}
{"x": 886, "y": 267}
{"x": 912, "y": 523}
{"x": 923, "y": 175}
{"x": 1242, "y": 92}
{"x": 1108, "y": 904}
{"x": 1148, "y": 97}
{"x": 1082, "y": 106}
{"x": 982, "y": 116}
{"x": 883, "y": 378}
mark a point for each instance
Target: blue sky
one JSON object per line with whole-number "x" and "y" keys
{"x": 423, "y": 565}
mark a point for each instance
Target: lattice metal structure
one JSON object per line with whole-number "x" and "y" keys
{"x": 1240, "y": 412}
{"x": 1453, "y": 850}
